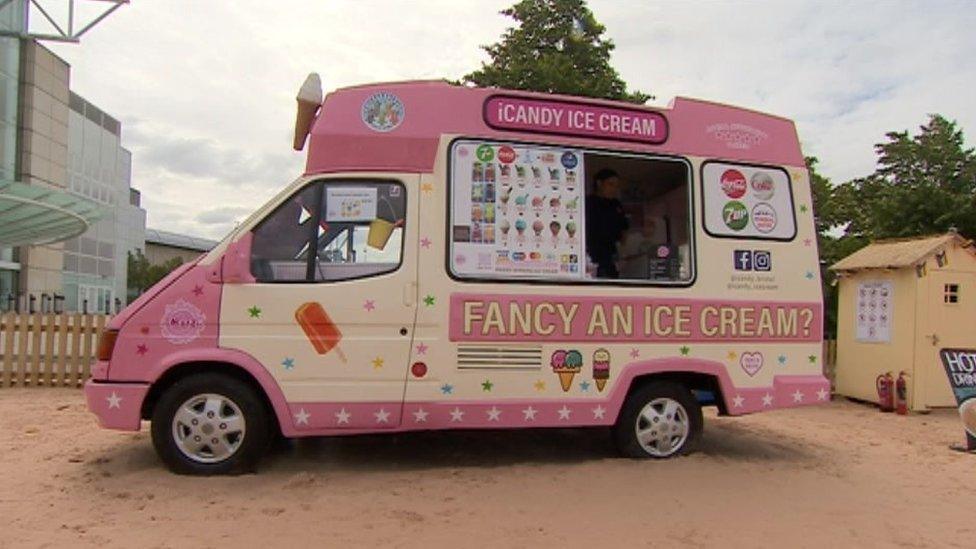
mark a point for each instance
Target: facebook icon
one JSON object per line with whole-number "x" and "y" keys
{"x": 742, "y": 260}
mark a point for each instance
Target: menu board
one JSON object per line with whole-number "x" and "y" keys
{"x": 516, "y": 211}
{"x": 350, "y": 204}
{"x": 747, "y": 202}
{"x": 875, "y": 301}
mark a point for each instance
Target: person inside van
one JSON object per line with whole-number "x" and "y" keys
{"x": 605, "y": 222}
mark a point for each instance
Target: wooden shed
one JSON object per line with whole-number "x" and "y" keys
{"x": 900, "y": 301}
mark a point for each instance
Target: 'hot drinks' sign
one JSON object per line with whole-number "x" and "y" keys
{"x": 566, "y": 118}
{"x": 960, "y": 366}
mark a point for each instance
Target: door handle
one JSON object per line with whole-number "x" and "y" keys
{"x": 409, "y": 294}
{"x": 934, "y": 338}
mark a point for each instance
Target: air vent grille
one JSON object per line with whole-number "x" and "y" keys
{"x": 487, "y": 357}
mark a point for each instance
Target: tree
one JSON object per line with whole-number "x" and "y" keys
{"x": 556, "y": 46}
{"x": 142, "y": 275}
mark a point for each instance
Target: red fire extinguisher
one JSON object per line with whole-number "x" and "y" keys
{"x": 901, "y": 392}
{"x": 886, "y": 398}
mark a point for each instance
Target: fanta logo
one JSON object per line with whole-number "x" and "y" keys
{"x": 733, "y": 183}
{"x": 182, "y": 322}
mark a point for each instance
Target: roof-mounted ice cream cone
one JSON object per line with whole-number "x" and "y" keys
{"x": 309, "y": 100}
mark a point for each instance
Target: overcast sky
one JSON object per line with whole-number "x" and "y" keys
{"x": 205, "y": 90}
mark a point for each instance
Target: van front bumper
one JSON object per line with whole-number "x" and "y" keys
{"x": 116, "y": 405}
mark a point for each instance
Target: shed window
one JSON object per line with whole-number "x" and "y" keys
{"x": 951, "y": 293}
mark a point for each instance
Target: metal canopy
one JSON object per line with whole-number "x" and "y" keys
{"x": 60, "y": 21}
{"x": 31, "y": 215}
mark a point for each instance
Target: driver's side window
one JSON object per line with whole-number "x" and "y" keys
{"x": 333, "y": 231}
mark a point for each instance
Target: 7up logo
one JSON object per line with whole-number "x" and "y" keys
{"x": 485, "y": 153}
{"x": 735, "y": 215}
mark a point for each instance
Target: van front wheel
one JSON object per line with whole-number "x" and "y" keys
{"x": 210, "y": 424}
{"x": 658, "y": 420}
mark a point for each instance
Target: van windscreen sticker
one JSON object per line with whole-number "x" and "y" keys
{"x": 747, "y": 202}
{"x": 517, "y": 211}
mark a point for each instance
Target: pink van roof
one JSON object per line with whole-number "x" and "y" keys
{"x": 342, "y": 140}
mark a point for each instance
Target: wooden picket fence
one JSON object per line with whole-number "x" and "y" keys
{"x": 48, "y": 349}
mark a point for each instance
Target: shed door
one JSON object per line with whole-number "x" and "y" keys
{"x": 952, "y": 319}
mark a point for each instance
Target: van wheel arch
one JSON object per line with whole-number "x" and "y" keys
{"x": 693, "y": 381}
{"x": 185, "y": 369}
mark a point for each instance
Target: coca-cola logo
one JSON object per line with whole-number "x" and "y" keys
{"x": 762, "y": 185}
{"x": 733, "y": 183}
{"x": 506, "y": 155}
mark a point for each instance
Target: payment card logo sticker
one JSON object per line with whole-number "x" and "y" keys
{"x": 762, "y": 185}
{"x": 763, "y": 218}
{"x": 735, "y": 215}
{"x": 383, "y": 112}
{"x": 733, "y": 183}
{"x": 182, "y": 322}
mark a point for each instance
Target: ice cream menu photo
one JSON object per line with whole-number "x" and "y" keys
{"x": 875, "y": 301}
{"x": 516, "y": 211}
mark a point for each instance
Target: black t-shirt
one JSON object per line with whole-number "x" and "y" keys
{"x": 605, "y": 224}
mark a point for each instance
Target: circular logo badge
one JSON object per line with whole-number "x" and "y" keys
{"x": 182, "y": 322}
{"x": 764, "y": 217}
{"x": 663, "y": 251}
{"x": 733, "y": 183}
{"x": 485, "y": 153}
{"x": 382, "y": 112}
{"x": 762, "y": 185}
{"x": 735, "y": 215}
{"x": 569, "y": 160}
{"x": 506, "y": 155}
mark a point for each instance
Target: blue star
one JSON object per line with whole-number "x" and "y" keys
{"x": 809, "y": 275}
{"x": 782, "y": 359}
{"x": 288, "y": 363}
{"x": 585, "y": 386}
{"x": 447, "y": 388}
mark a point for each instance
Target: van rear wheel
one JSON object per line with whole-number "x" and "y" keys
{"x": 210, "y": 424}
{"x": 659, "y": 420}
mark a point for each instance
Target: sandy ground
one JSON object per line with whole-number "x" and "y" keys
{"x": 839, "y": 475}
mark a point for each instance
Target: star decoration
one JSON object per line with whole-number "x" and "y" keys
{"x": 422, "y": 348}
{"x": 564, "y": 412}
{"x": 427, "y": 188}
{"x": 288, "y": 363}
{"x": 731, "y": 355}
{"x": 342, "y": 417}
{"x": 540, "y": 385}
{"x": 425, "y": 242}
{"x": 429, "y": 300}
{"x": 685, "y": 350}
{"x": 782, "y": 359}
{"x": 807, "y": 242}
{"x": 198, "y": 290}
{"x": 738, "y": 401}
{"x": 529, "y": 413}
{"x": 797, "y": 396}
{"x": 599, "y": 412}
{"x": 377, "y": 363}
{"x": 812, "y": 359}
{"x": 634, "y": 353}
{"x": 254, "y": 311}
{"x": 447, "y": 388}
{"x": 420, "y": 416}
{"x": 809, "y": 275}
{"x": 114, "y": 401}
{"x": 486, "y": 385}
{"x": 823, "y": 394}
{"x": 141, "y": 349}
{"x": 382, "y": 416}
{"x": 585, "y": 386}
{"x": 803, "y": 208}
{"x": 767, "y": 399}
{"x": 494, "y": 413}
{"x": 369, "y": 305}
{"x": 301, "y": 418}
{"x": 457, "y": 414}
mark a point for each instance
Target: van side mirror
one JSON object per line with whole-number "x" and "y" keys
{"x": 236, "y": 262}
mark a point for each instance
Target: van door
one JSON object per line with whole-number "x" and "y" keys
{"x": 332, "y": 310}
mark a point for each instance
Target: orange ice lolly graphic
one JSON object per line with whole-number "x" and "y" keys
{"x": 322, "y": 333}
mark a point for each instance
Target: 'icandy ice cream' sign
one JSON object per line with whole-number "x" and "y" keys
{"x": 580, "y": 119}
{"x": 485, "y": 317}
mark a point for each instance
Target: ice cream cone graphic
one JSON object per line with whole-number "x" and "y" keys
{"x": 601, "y": 368}
{"x": 566, "y": 364}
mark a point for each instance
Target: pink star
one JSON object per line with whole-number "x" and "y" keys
{"x": 369, "y": 305}
{"x": 141, "y": 349}
{"x": 425, "y": 242}
{"x": 807, "y": 242}
{"x": 422, "y": 348}
{"x": 634, "y": 353}
{"x": 198, "y": 290}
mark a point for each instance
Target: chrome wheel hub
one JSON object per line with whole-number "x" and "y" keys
{"x": 662, "y": 427}
{"x": 208, "y": 428}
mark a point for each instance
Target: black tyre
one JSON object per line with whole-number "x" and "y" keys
{"x": 210, "y": 424}
{"x": 659, "y": 420}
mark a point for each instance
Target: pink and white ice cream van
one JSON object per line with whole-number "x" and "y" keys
{"x": 466, "y": 258}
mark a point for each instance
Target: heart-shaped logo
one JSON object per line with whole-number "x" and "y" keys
{"x": 751, "y": 363}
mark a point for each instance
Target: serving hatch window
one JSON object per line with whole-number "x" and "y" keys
{"x": 555, "y": 213}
